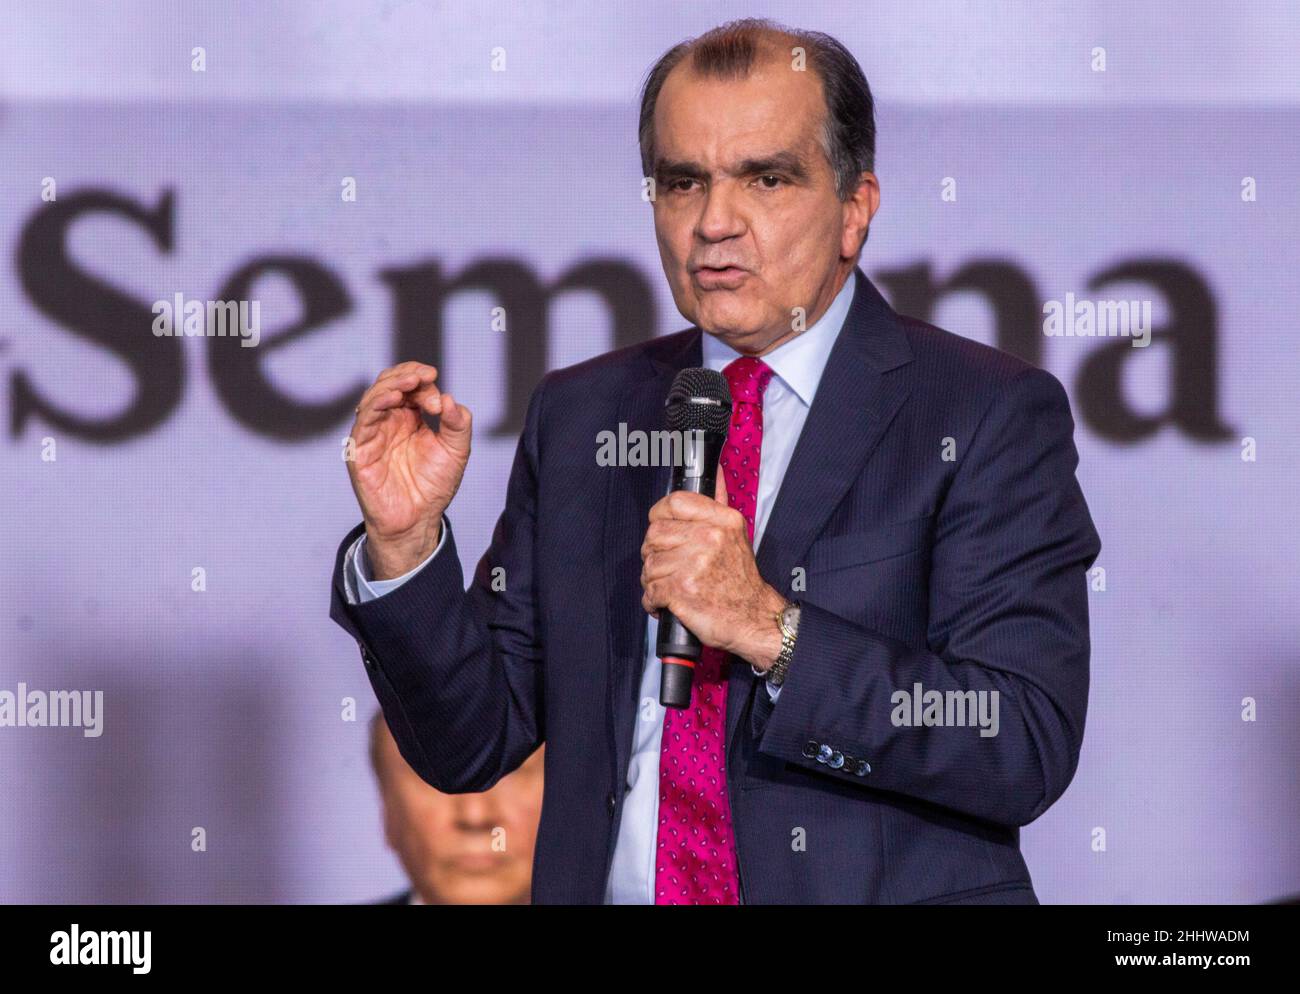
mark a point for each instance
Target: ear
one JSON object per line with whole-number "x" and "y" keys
{"x": 720, "y": 489}
{"x": 858, "y": 212}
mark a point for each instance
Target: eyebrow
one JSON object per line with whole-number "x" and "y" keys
{"x": 789, "y": 163}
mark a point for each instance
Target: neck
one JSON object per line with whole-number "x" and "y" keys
{"x": 825, "y": 298}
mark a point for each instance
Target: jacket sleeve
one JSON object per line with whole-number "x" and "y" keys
{"x": 458, "y": 672}
{"x": 1008, "y": 616}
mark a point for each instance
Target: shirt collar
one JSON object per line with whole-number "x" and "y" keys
{"x": 799, "y": 362}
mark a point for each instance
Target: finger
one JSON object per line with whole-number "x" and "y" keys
{"x": 682, "y": 505}
{"x": 664, "y": 535}
{"x": 405, "y": 376}
{"x": 421, "y": 369}
{"x": 377, "y": 408}
{"x": 413, "y": 381}
{"x": 456, "y": 425}
{"x": 383, "y": 387}
{"x": 652, "y": 600}
{"x": 426, "y": 397}
{"x": 660, "y": 565}
{"x": 720, "y": 491}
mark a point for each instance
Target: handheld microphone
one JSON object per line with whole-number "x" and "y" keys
{"x": 698, "y": 411}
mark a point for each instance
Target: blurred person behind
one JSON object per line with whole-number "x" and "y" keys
{"x": 458, "y": 848}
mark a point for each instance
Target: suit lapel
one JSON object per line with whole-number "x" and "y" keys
{"x": 855, "y": 402}
{"x": 630, "y": 493}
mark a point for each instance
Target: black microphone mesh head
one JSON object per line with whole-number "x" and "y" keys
{"x": 699, "y": 400}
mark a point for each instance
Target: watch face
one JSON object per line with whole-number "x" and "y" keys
{"x": 790, "y": 617}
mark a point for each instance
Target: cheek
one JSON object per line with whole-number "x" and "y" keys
{"x": 673, "y": 263}
{"x": 795, "y": 238}
{"x": 519, "y": 821}
{"x": 436, "y": 814}
{"x": 792, "y": 243}
{"x": 673, "y": 234}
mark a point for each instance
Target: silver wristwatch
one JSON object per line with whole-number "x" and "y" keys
{"x": 788, "y": 621}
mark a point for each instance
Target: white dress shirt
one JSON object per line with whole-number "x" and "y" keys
{"x": 797, "y": 366}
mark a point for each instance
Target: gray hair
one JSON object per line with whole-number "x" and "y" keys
{"x": 848, "y": 134}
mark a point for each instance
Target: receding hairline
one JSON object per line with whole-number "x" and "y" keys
{"x": 737, "y": 49}
{"x": 764, "y": 44}
{"x": 769, "y": 54}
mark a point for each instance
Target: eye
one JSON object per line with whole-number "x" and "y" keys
{"x": 776, "y": 181}
{"x": 676, "y": 185}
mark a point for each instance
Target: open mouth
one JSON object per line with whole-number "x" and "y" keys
{"x": 720, "y": 277}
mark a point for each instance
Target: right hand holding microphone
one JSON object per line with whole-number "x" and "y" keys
{"x": 403, "y": 473}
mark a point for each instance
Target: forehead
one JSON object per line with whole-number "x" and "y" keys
{"x": 708, "y": 119}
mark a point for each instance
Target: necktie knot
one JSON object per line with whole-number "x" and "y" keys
{"x": 748, "y": 378}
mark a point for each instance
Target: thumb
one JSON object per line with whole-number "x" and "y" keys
{"x": 454, "y": 423}
{"x": 720, "y": 489}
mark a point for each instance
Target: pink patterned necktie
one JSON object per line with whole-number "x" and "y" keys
{"x": 695, "y": 855}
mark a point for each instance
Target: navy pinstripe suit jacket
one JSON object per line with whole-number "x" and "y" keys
{"x": 964, "y": 573}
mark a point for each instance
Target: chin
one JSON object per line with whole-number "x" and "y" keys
{"x": 483, "y": 892}
{"x": 731, "y": 324}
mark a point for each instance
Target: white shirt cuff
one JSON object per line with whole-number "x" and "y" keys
{"x": 357, "y": 582}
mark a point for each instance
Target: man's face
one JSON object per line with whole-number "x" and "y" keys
{"x": 742, "y": 182}
{"x": 463, "y": 848}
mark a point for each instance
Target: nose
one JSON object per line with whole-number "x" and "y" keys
{"x": 720, "y": 218}
{"x": 475, "y": 812}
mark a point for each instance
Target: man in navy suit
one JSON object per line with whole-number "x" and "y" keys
{"x": 898, "y": 677}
